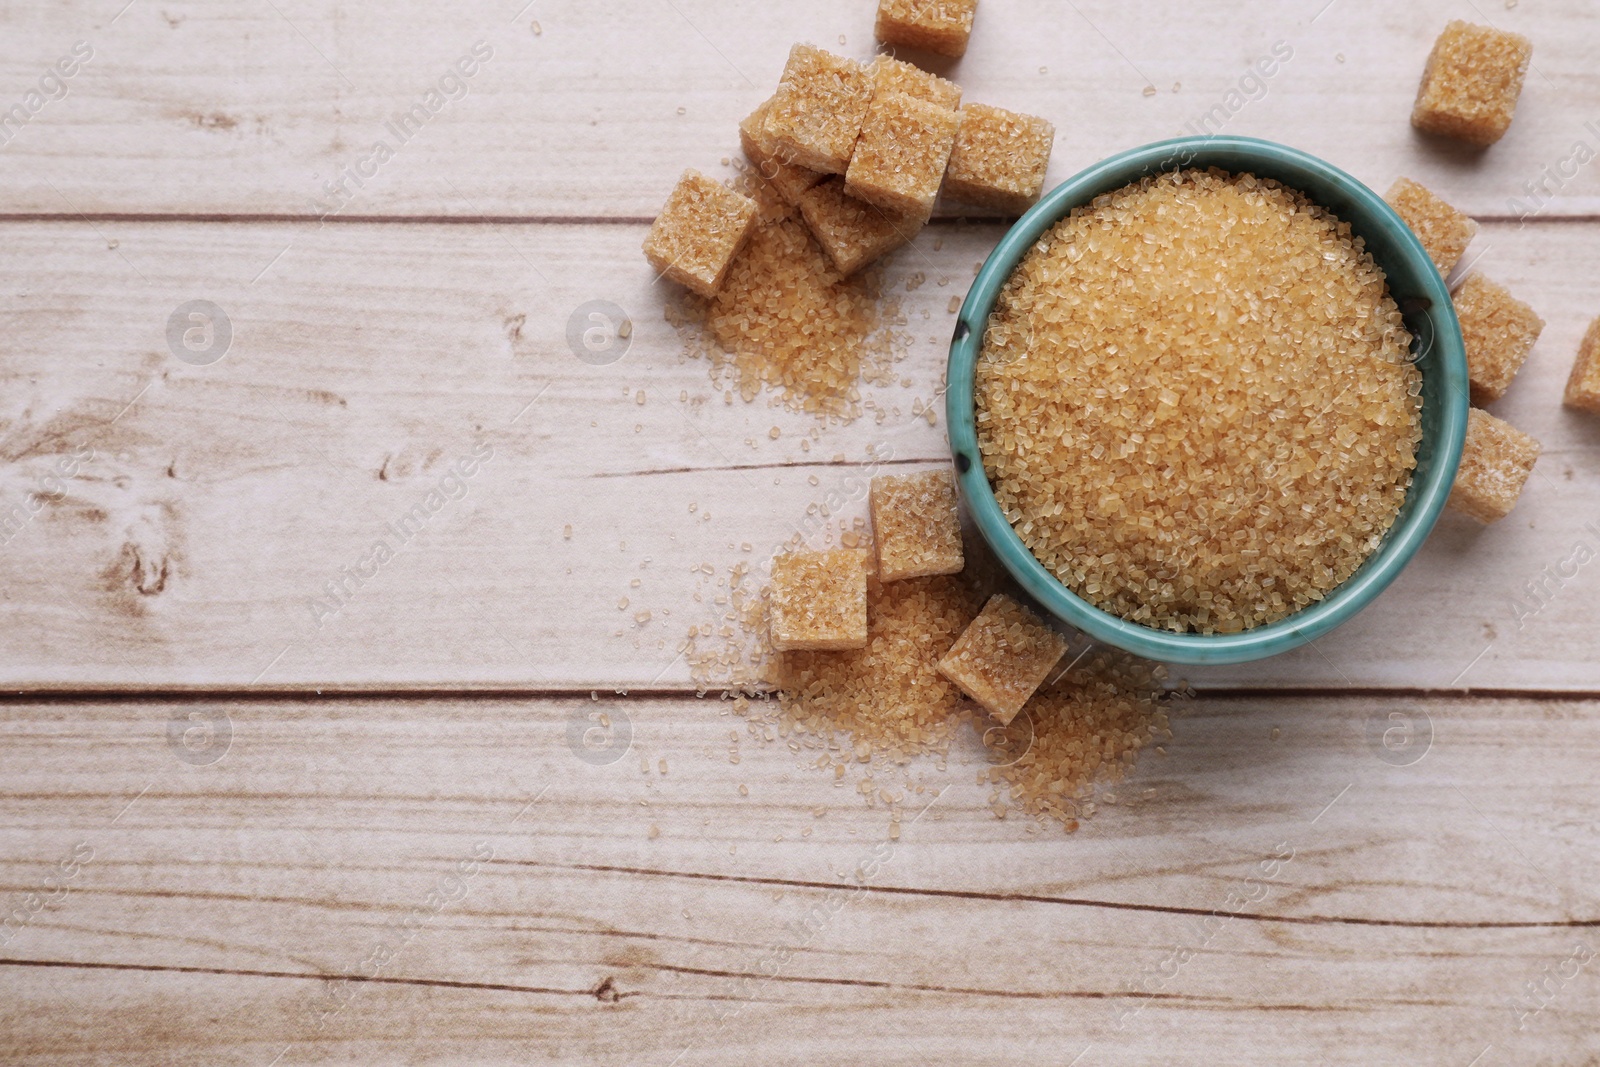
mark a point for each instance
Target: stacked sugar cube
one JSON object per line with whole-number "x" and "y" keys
{"x": 861, "y": 152}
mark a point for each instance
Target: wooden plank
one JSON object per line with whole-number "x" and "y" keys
{"x": 220, "y": 501}
{"x": 447, "y": 880}
{"x": 583, "y": 110}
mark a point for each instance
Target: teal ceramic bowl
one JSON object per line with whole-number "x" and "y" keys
{"x": 1413, "y": 282}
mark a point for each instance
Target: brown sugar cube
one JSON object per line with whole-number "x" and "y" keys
{"x": 818, "y": 601}
{"x": 940, "y": 26}
{"x": 999, "y": 159}
{"x": 1470, "y": 86}
{"x": 788, "y": 180}
{"x": 900, "y": 158}
{"x": 1498, "y": 330}
{"x": 699, "y": 231}
{"x": 770, "y": 207}
{"x": 1443, "y": 231}
{"x": 853, "y": 232}
{"x": 915, "y": 525}
{"x": 1003, "y": 657}
{"x": 890, "y": 75}
{"x": 814, "y": 117}
{"x": 1495, "y": 463}
{"x": 1583, "y": 387}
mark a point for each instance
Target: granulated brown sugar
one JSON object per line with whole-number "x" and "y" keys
{"x": 1195, "y": 402}
{"x": 786, "y": 319}
{"x": 1083, "y": 730}
{"x": 889, "y": 695}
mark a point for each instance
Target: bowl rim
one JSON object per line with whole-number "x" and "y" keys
{"x": 1426, "y": 494}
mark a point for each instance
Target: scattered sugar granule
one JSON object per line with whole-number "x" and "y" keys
{"x": 915, "y": 525}
{"x": 1443, "y": 231}
{"x": 1082, "y": 729}
{"x": 699, "y": 231}
{"x": 787, "y": 319}
{"x": 1003, "y": 656}
{"x": 999, "y": 159}
{"x": 889, "y": 696}
{"x": 818, "y": 601}
{"x": 1583, "y": 385}
{"x": 939, "y": 26}
{"x": 814, "y": 117}
{"x": 1471, "y": 83}
{"x": 1499, "y": 330}
{"x": 900, "y": 158}
{"x": 1495, "y": 463}
{"x": 1162, "y": 448}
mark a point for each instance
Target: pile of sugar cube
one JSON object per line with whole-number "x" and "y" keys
{"x": 1469, "y": 93}
{"x": 818, "y": 600}
{"x": 861, "y": 151}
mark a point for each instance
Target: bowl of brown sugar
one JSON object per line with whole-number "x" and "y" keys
{"x": 1207, "y": 398}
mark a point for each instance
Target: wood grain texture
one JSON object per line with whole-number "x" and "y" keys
{"x": 226, "y": 911}
{"x": 222, "y": 500}
{"x": 220, "y": 108}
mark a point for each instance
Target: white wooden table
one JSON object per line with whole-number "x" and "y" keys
{"x": 236, "y": 829}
